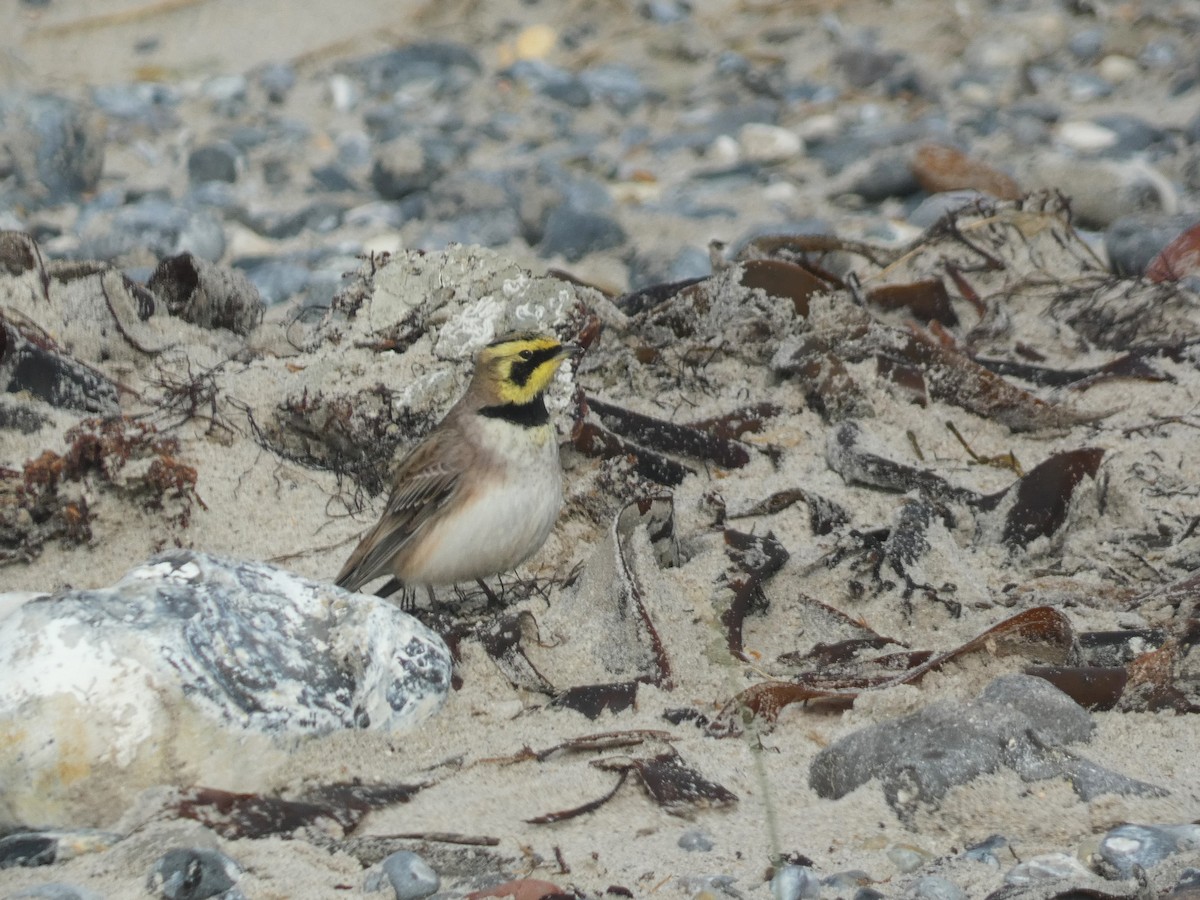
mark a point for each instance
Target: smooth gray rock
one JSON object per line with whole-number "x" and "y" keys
{"x": 1018, "y": 722}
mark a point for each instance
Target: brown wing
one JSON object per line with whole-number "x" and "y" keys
{"x": 424, "y": 481}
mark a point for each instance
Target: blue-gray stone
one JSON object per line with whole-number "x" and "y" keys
{"x": 54, "y": 146}
{"x": 410, "y": 877}
{"x": 551, "y": 81}
{"x": 1134, "y": 134}
{"x": 888, "y": 175}
{"x": 1133, "y": 241}
{"x": 987, "y": 851}
{"x": 276, "y": 280}
{"x": 863, "y": 65}
{"x": 792, "y": 882}
{"x": 573, "y": 233}
{"x": 1128, "y": 848}
{"x": 448, "y": 65}
{"x": 934, "y": 887}
{"x": 1087, "y": 44}
{"x": 615, "y": 84}
{"x": 695, "y": 841}
{"x": 935, "y": 207}
{"x": 277, "y": 79}
{"x": 148, "y": 102}
{"x": 1018, "y": 722}
{"x": 217, "y": 161}
{"x": 665, "y": 12}
{"x": 192, "y": 874}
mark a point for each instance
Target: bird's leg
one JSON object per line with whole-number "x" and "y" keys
{"x": 493, "y": 600}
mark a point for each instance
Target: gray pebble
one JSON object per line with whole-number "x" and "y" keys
{"x": 213, "y": 162}
{"x": 888, "y": 175}
{"x": 277, "y": 79}
{"x": 448, "y": 66}
{"x": 615, "y": 84}
{"x": 665, "y": 12}
{"x": 934, "y": 207}
{"x": 1132, "y": 242}
{"x": 933, "y": 887}
{"x": 906, "y": 859}
{"x": 192, "y": 874}
{"x": 53, "y": 145}
{"x": 1087, "y": 44}
{"x": 794, "y": 882}
{"x": 695, "y": 841}
{"x": 573, "y": 233}
{"x": 407, "y": 874}
{"x": 1130, "y": 847}
{"x": 1045, "y": 867}
{"x": 550, "y": 81}
{"x": 987, "y": 851}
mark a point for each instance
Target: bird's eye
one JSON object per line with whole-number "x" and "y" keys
{"x": 526, "y": 354}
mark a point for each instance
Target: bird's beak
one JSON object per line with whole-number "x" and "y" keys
{"x": 571, "y": 349}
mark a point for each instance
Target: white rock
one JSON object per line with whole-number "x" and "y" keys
{"x": 194, "y": 670}
{"x": 764, "y": 143}
{"x": 1118, "y": 69}
{"x": 1086, "y": 137}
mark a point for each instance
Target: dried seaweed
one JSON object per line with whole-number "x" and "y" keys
{"x": 1041, "y": 631}
{"x": 668, "y": 437}
{"x": 593, "y": 439}
{"x": 236, "y": 815}
{"x": 926, "y": 301}
{"x": 525, "y": 889}
{"x": 31, "y": 362}
{"x": 35, "y": 506}
{"x": 674, "y": 787}
{"x": 753, "y": 559}
{"x": 1037, "y": 505}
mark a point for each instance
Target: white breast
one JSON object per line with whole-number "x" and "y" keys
{"x": 505, "y": 523}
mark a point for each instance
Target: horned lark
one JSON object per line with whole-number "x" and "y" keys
{"x": 480, "y": 493}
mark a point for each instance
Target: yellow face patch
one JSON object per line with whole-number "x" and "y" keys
{"x": 522, "y": 365}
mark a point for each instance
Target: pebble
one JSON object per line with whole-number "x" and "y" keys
{"x": 408, "y": 875}
{"x": 762, "y": 143}
{"x": 1133, "y": 241}
{"x": 934, "y": 887}
{"x": 695, "y": 841}
{"x": 1128, "y": 848}
{"x": 792, "y": 882}
{"x": 1017, "y": 721}
{"x": 907, "y": 858}
{"x": 1048, "y": 866}
{"x": 987, "y": 851}
{"x": 574, "y": 233}
{"x": 193, "y": 874}
{"x": 214, "y": 162}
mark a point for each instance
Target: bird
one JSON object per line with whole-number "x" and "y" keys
{"x": 480, "y": 493}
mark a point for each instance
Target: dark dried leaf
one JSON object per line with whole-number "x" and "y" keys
{"x": 1042, "y": 631}
{"x": 234, "y": 815}
{"x": 593, "y": 699}
{"x": 669, "y": 437}
{"x": 954, "y": 377}
{"x": 592, "y": 439}
{"x": 501, "y": 640}
{"x": 756, "y": 558}
{"x": 582, "y": 809}
{"x": 1092, "y": 687}
{"x": 733, "y": 425}
{"x": 846, "y": 456}
{"x": 785, "y": 280}
{"x": 905, "y": 376}
{"x": 31, "y": 362}
{"x": 1041, "y": 498}
{"x": 940, "y": 168}
{"x": 925, "y": 300}
{"x": 677, "y": 788}
{"x": 1131, "y": 365}
{"x": 1178, "y": 259}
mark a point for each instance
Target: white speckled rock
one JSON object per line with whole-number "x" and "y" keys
{"x": 194, "y": 670}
